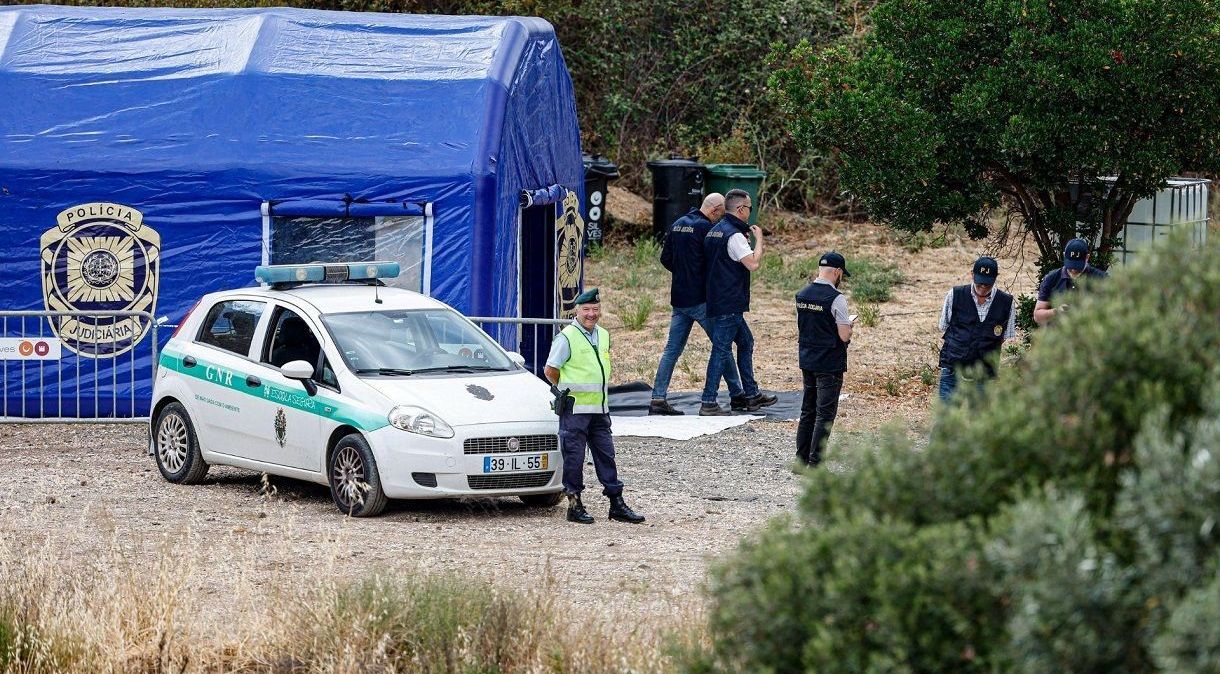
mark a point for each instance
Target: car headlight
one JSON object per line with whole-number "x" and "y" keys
{"x": 419, "y": 420}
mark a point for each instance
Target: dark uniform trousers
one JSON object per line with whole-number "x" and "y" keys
{"x": 819, "y": 407}
{"x": 576, "y": 431}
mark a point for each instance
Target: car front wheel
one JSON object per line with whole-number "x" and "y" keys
{"x": 177, "y": 447}
{"x": 354, "y": 483}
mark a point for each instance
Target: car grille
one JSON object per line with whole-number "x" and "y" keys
{"x": 526, "y": 443}
{"x": 512, "y": 481}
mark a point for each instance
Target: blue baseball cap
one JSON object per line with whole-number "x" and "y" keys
{"x": 1076, "y": 254}
{"x": 986, "y": 269}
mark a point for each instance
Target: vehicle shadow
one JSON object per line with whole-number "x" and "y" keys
{"x": 289, "y": 490}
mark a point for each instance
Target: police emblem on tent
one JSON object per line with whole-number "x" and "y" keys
{"x": 570, "y": 231}
{"x": 100, "y": 257}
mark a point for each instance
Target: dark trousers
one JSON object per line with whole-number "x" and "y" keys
{"x": 819, "y": 407}
{"x": 576, "y": 431}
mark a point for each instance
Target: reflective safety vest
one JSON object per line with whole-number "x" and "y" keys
{"x": 587, "y": 372}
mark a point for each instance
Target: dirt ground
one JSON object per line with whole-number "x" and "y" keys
{"x": 80, "y": 492}
{"x": 77, "y": 492}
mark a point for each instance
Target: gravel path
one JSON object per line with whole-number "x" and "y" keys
{"x": 80, "y": 492}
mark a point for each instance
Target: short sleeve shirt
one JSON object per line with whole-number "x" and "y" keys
{"x": 739, "y": 247}
{"x": 1059, "y": 280}
{"x": 838, "y": 308}
{"x": 561, "y": 351}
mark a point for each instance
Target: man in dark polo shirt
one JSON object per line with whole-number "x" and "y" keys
{"x": 976, "y": 319}
{"x": 1064, "y": 280}
{"x": 824, "y": 329}
{"x": 682, "y": 255}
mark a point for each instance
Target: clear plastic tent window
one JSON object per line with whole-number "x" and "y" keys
{"x": 401, "y": 239}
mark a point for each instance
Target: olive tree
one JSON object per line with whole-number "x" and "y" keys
{"x": 1047, "y": 112}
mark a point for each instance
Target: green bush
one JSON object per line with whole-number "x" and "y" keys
{"x": 859, "y": 595}
{"x": 1071, "y": 411}
{"x": 1191, "y": 644}
{"x": 1074, "y": 606}
{"x": 1089, "y": 476}
{"x": 872, "y": 281}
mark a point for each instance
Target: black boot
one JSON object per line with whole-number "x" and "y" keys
{"x": 577, "y": 512}
{"x": 619, "y": 510}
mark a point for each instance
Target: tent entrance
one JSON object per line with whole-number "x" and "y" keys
{"x": 301, "y": 231}
{"x": 536, "y": 278}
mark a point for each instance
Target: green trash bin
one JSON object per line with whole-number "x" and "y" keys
{"x": 724, "y": 177}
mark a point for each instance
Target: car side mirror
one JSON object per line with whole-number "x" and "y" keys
{"x": 302, "y": 372}
{"x": 516, "y": 358}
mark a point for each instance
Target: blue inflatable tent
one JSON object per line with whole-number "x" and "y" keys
{"x": 148, "y": 156}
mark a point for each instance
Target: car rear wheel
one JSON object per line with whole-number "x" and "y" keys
{"x": 354, "y": 483}
{"x": 542, "y": 500}
{"x": 177, "y": 447}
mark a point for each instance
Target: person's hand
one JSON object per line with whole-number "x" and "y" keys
{"x": 756, "y": 231}
{"x": 1062, "y": 309}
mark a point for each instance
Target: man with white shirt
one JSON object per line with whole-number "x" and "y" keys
{"x": 729, "y": 263}
{"x": 976, "y": 319}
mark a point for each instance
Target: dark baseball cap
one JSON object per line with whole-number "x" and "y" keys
{"x": 986, "y": 269}
{"x": 833, "y": 259}
{"x": 1075, "y": 254}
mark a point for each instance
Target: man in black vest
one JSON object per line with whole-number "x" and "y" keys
{"x": 682, "y": 255}
{"x": 976, "y": 319}
{"x": 729, "y": 263}
{"x": 825, "y": 331}
{"x": 1075, "y": 265}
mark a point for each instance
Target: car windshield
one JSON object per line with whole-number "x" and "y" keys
{"x": 405, "y": 343}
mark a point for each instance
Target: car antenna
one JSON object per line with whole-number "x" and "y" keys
{"x": 376, "y": 295}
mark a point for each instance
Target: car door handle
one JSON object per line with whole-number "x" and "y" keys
{"x": 253, "y": 381}
{"x": 189, "y": 361}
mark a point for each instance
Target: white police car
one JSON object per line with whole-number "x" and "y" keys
{"x": 378, "y": 392}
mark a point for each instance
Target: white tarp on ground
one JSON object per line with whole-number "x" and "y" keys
{"x": 676, "y": 427}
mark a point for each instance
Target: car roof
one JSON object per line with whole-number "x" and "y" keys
{"x": 335, "y": 298}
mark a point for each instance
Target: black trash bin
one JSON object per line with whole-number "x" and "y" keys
{"x": 599, "y": 171}
{"x": 677, "y": 187}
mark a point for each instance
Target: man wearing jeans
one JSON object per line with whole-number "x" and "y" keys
{"x": 729, "y": 263}
{"x": 682, "y": 255}
{"x": 976, "y": 319}
{"x": 824, "y": 332}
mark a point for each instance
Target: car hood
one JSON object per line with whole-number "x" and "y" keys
{"x": 464, "y": 400}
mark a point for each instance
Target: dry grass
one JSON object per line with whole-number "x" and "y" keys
{"x": 59, "y": 613}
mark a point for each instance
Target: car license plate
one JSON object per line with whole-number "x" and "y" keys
{"x": 513, "y": 463}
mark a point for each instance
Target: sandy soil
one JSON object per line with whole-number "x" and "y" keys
{"x": 74, "y": 492}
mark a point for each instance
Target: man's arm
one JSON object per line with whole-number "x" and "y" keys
{"x": 838, "y": 309}
{"x": 754, "y": 260}
{"x": 552, "y": 374}
{"x": 1043, "y": 312}
{"x": 946, "y": 311}
{"x": 667, "y": 252}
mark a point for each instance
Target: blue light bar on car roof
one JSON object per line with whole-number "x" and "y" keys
{"x": 318, "y": 272}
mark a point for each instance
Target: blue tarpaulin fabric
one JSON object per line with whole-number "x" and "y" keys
{"x": 198, "y": 120}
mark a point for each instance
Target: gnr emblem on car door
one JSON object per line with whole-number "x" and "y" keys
{"x": 281, "y": 426}
{"x": 100, "y": 257}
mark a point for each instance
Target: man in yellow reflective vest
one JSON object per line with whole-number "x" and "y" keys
{"x": 579, "y": 363}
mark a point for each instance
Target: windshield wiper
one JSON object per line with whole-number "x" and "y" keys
{"x": 461, "y": 368}
{"x": 400, "y": 371}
